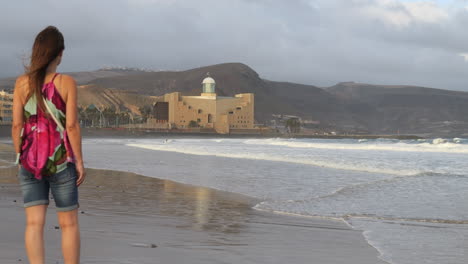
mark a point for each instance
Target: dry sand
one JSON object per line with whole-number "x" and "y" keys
{"x": 124, "y": 215}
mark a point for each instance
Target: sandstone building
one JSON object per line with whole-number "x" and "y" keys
{"x": 208, "y": 110}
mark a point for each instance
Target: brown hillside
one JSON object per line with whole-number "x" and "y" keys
{"x": 112, "y": 98}
{"x": 408, "y": 108}
{"x": 232, "y": 78}
{"x": 346, "y": 106}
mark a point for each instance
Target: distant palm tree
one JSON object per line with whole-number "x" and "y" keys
{"x": 91, "y": 115}
{"x": 145, "y": 111}
{"x": 109, "y": 116}
{"x": 293, "y": 125}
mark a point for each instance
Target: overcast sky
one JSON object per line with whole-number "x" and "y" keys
{"x": 319, "y": 42}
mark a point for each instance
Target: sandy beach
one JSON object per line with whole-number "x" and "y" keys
{"x": 128, "y": 218}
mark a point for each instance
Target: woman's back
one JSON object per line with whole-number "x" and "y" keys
{"x": 45, "y": 147}
{"x": 46, "y": 135}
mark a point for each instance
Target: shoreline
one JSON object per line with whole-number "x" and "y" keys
{"x": 124, "y": 216}
{"x": 87, "y": 132}
{"x": 123, "y": 132}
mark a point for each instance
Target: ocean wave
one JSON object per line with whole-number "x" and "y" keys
{"x": 353, "y": 187}
{"x": 347, "y": 217}
{"x": 403, "y": 219}
{"x": 292, "y": 159}
{"x": 267, "y": 157}
{"x": 437, "y": 145}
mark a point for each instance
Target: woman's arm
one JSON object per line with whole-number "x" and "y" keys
{"x": 73, "y": 126}
{"x": 18, "y": 114}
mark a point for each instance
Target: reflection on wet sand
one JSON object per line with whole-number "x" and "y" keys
{"x": 131, "y": 194}
{"x": 201, "y": 208}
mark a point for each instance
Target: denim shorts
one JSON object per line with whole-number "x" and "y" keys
{"x": 62, "y": 185}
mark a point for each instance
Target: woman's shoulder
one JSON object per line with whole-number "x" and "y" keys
{"x": 67, "y": 80}
{"x": 21, "y": 87}
{"x": 22, "y": 80}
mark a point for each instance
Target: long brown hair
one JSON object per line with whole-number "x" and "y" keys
{"x": 48, "y": 45}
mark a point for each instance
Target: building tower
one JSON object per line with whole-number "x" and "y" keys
{"x": 209, "y": 86}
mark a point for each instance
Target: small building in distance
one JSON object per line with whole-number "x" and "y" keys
{"x": 208, "y": 110}
{"x": 6, "y": 107}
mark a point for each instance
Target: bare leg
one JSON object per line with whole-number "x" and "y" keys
{"x": 68, "y": 222}
{"x": 34, "y": 233}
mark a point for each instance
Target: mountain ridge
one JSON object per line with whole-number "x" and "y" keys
{"x": 346, "y": 106}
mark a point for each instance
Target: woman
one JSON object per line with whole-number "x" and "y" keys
{"x": 47, "y": 139}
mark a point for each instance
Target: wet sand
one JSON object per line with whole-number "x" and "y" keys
{"x": 128, "y": 218}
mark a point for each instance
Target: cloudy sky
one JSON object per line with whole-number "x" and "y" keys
{"x": 318, "y": 42}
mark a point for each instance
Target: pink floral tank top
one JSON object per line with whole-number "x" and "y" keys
{"x": 45, "y": 148}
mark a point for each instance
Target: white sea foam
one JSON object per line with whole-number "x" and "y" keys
{"x": 278, "y": 158}
{"x": 437, "y": 145}
{"x": 439, "y": 141}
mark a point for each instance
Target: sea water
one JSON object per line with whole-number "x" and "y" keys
{"x": 409, "y": 197}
